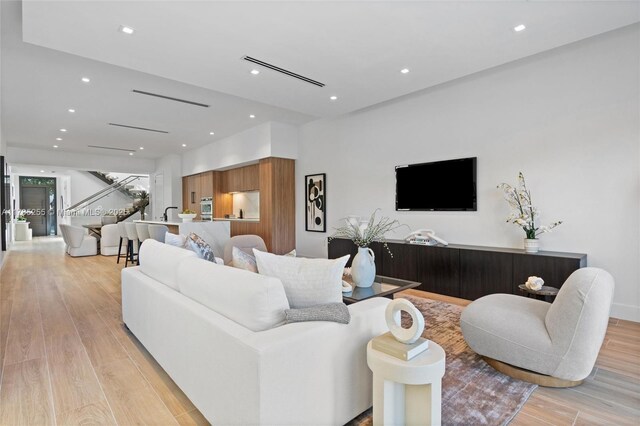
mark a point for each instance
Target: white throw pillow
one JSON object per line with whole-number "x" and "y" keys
{"x": 175, "y": 240}
{"x": 307, "y": 282}
{"x": 243, "y": 260}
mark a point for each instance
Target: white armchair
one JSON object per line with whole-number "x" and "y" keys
{"x": 109, "y": 240}
{"x": 78, "y": 243}
{"x": 556, "y": 344}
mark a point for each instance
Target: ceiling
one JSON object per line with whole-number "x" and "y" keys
{"x": 194, "y": 50}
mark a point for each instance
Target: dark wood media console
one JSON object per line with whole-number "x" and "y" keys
{"x": 468, "y": 272}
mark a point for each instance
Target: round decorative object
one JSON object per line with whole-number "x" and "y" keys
{"x": 363, "y": 267}
{"x": 531, "y": 245}
{"x": 393, "y": 318}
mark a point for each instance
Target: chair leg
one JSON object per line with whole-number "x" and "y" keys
{"x": 119, "y": 250}
{"x": 126, "y": 261}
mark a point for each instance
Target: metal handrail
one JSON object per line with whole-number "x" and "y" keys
{"x": 111, "y": 189}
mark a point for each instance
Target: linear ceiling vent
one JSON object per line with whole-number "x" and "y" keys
{"x": 114, "y": 149}
{"x": 184, "y": 101}
{"x": 283, "y": 71}
{"x": 138, "y": 128}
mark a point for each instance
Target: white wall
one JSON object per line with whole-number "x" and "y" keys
{"x": 266, "y": 140}
{"x": 567, "y": 118}
{"x": 166, "y": 186}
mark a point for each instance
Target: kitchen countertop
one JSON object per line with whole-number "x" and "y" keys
{"x": 160, "y": 222}
{"x": 237, "y": 219}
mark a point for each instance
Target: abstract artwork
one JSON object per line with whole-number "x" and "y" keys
{"x": 315, "y": 202}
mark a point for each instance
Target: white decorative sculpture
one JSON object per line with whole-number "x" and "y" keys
{"x": 393, "y": 318}
{"x": 534, "y": 283}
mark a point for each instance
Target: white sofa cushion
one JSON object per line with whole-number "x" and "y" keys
{"x": 307, "y": 282}
{"x": 251, "y": 300}
{"x": 160, "y": 261}
{"x": 176, "y": 240}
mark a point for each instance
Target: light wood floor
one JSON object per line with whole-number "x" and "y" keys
{"x": 66, "y": 357}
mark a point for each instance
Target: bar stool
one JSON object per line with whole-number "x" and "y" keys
{"x": 122, "y": 230}
{"x": 132, "y": 234}
{"x": 157, "y": 232}
{"x": 143, "y": 231}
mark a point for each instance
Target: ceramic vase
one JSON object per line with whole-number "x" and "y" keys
{"x": 363, "y": 267}
{"x": 531, "y": 245}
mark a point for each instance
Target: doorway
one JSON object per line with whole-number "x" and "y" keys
{"x": 38, "y": 204}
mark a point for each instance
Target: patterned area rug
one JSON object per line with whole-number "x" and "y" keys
{"x": 473, "y": 393}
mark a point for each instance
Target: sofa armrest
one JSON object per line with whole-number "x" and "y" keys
{"x": 324, "y": 364}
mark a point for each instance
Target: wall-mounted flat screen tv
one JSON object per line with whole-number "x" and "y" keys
{"x": 438, "y": 186}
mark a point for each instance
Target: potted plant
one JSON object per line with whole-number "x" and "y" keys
{"x": 187, "y": 215}
{"x": 363, "y": 233}
{"x": 141, "y": 202}
{"x": 22, "y": 218}
{"x": 524, "y": 214}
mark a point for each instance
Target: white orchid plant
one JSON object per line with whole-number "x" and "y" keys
{"x": 523, "y": 213}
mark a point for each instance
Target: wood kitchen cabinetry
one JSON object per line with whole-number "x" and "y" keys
{"x": 273, "y": 177}
{"x": 194, "y": 188}
{"x": 468, "y": 272}
{"x": 241, "y": 179}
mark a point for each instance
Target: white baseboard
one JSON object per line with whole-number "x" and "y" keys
{"x": 625, "y": 312}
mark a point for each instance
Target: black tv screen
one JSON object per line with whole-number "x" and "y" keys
{"x": 442, "y": 185}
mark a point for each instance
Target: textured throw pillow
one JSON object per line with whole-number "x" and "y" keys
{"x": 242, "y": 260}
{"x": 336, "y": 312}
{"x": 175, "y": 240}
{"x": 307, "y": 282}
{"x": 202, "y": 249}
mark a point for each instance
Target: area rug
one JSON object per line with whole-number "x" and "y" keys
{"x": 473, "y": 393}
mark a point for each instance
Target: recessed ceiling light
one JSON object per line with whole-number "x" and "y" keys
{"x": 131, "y": 153}
{"x": 141, "y": 148}
{"x": 212, "y": 133}
{"x": 333, "y": 98}
{"x": 63, "y": 130}
{"x": 519, "y": 28}
{"x": 404, "y": 70}
{"x": 55, "y": 146}
{"x": 71, "y": 110}
{"x": 125, "y": 29}
{"x": 255, "y": 72}
{"x": 58, "y": 139}
{"x": 184, "y": 145}
{"x": 41, "y": 171}
{"x": 252, "y": 116}
{"x": 86, "y": 79}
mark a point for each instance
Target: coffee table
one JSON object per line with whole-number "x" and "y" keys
{"x": 381, "y": 287}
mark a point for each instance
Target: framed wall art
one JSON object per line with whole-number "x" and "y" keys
{"x": 316, "y": 202}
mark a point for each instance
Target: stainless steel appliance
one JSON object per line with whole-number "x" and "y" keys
{"x": 206, "y": 208}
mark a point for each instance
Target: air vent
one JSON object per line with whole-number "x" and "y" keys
{"x": 113, "y": 149}
{"x": 283, "y": 71}
{"x": 170, "y": 98}
{"x": 138, "y": 128}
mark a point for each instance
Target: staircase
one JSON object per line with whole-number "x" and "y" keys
{"x": 139, "y": 197}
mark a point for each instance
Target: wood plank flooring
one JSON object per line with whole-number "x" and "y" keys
{"x": 66, "y": 358}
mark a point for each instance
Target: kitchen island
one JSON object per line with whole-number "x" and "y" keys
{"x": 216, "y": 234}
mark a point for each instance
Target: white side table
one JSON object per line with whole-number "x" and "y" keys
{"x": 23, "y": 233}
{"x": 407, "y": 392}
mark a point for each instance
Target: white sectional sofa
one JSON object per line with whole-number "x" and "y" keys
{"x": 217, "y": 331}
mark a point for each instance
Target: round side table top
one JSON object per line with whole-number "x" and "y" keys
{"x": 423, "y": 368}
{"x": 544, "y": 291}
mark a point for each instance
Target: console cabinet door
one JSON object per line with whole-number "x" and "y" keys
{"x": 439, "y": 270}
{"x": 403, "y": 264}
{"x": 485, "y": 272}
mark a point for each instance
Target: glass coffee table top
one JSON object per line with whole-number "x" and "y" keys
{"x": 382, "y": 287}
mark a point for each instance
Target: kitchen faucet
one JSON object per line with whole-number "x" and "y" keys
{"x": 165, "y": 217}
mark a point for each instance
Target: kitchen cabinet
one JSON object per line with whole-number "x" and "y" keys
{"x": 241, "y": 179}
